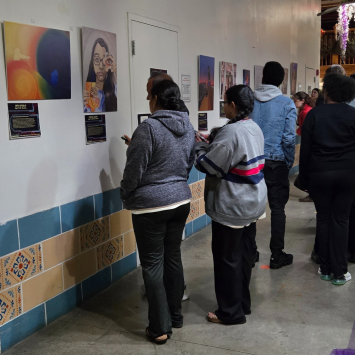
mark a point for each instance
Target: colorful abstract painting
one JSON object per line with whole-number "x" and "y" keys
{"x": 228, "y": 77}
{"x": 206, "y": 83}
{"x": 37, "y": 62}
{"x": 246, "y": 77}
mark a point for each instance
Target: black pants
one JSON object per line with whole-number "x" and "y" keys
{"x": 158, "y": 238}
{"x": 232, "y": 258}
{"x": 278, "y": 192}
{"x": 351, "y": 242}
{"x": 333, "y": 193}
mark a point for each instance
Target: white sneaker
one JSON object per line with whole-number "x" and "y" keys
{"x": 185, "y": 296}
{"x": 347, "y": 276}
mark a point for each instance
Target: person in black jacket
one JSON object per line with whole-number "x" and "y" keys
{"x": 327, "y": 170}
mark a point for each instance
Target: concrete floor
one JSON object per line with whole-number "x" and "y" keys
{"x": 293, "y": 311}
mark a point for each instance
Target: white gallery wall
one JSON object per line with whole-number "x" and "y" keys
{"x": 39, "y": 173}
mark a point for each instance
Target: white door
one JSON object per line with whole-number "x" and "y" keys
{"x": 310, "y": 80}
{"x": 153, "y": 45}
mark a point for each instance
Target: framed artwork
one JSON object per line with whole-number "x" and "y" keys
{"x": 246, "y": 77}
{"x": 99, "y": 70}
{"x": 284, "y": 84}
{"x": 37, "y": 62}
{"x": 258, "y": 76}
{"x": 294, "y": 67}
{"x": 228, "y": 77}
{"x": 206, "y": 83}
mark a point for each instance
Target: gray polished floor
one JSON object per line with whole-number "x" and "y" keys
{"x": 293, "y": 311}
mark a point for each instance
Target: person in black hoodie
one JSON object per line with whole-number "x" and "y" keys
{"x": 327, "y": 170}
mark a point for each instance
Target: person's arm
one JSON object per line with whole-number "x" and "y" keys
{"x": 213, "y": 159}
{"x": 139, "y": 154}
{"x": 289, "y": 136}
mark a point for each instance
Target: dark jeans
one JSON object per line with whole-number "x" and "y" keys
{"x": 333, "y": 193}
{"x": 232, "y": 258}
{"x": 278, "y": 192}
{"x": 158, "y": 238}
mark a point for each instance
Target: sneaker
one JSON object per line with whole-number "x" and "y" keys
{"x": 305, "y": 199}
{"x": 256, "y": 259}
{"x": 341, "y": 280}
{"x": 351, "y": 258}
{"x": 277, "y": 261}
{"x": 184, "y": 297}
{"x": 315, "y": 257}
{"x": 325, "y": 277}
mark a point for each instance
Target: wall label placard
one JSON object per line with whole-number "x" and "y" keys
{"x": 202, "y": 122}
{"x": 95, "y": 126}
{"x": 24, "y": 120}
{"x": 186, "y": 87}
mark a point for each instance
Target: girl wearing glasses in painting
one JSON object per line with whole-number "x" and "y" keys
{"x": 101, "y": 83}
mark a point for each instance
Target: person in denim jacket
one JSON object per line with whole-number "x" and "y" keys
{"x": 276, "y": 116}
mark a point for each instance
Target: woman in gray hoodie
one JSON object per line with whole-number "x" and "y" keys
{"x": 235, "y": 198}
{"x": 154, "y": 186}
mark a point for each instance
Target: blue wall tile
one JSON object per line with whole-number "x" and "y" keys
{"x": 188, "y": 229}
{"x": 75, "y": 214}
{"x": 198, "y": 223}
{"x": 8, "y": 238}
{"x": 107, "y": 203}
{"x": 63, "y": 303}
{"x": 22, "y": 327}
{"x": 124, "y": 266}
{"x": 96, "y": 283}
{"x": 298, "y": 139}
{"x": 294, "y": 170}
{"x": 208, "y": 220}
{"x": 193, "y": 177}
{"x": 201, "y": 176}
{"x": 39, "y": 226}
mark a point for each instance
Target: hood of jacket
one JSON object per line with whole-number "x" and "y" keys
{"x": 177, "y": 122}
{"x": 266, "y": 93}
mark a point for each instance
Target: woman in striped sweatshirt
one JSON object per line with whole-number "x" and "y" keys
{"x": 235, "y": 198}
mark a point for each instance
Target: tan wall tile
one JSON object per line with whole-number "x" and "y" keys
{"x": 297, "y": 160}
{"x": 60, "y": 248}
{"x": 109, "y": 252}
{"x": 121, "y": 222}
{"x": 79, "y": 268}
{"x": 202, "y": 207}
{"x": 194, "y": 211}
{"x": 198, "y": 189}
{"x": 19, "y": 266}
{"x": 10, "y": 301}
{"x": 129, "y": 243}
{"x": 42, "y": 287}
{"x": 191, "y": 186}
{"x": 94, "y": 233}
{"x": 297, "y": 149}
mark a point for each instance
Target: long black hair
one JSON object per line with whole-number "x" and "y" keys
{"x": 168, "y": 96}
{"x": 109, "y": 84}
{"x": 243, "y": 99}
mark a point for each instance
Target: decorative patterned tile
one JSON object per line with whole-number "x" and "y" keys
{"x": 94, "y": 233}
{"x": 198, "y": 190}
{"x": 194, "y": 211}
{"x": 19, "y": 266}
{"x": 10, "y": 304}
{"x": 297, "y": 160}
{"x": 109, "y": 252}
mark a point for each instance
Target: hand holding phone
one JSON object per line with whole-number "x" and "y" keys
{"x": 126, "y": 139}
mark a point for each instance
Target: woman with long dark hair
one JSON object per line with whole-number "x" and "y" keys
{"x": 304, "y": 104}
{"x": 101, "y": 83}
{"x": 235, "y": 198}
{"x": 327, "y": 171}
{"x": 154, "y": 187}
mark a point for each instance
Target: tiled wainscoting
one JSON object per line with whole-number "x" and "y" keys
{"x": 295, "y": 168}
{"x": 53, "y": 261}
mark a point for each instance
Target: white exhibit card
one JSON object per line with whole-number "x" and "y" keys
{"x": 186, "y": 87}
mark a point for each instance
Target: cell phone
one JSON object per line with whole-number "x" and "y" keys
{"x": 203, "y": 139}
{"x": 124, "y": 138}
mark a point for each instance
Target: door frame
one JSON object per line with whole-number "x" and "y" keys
{"x": 305, "y": 77}
{"x": 133, "y": 17}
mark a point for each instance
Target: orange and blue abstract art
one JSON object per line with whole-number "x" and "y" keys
{"x": 37, "y": 62}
